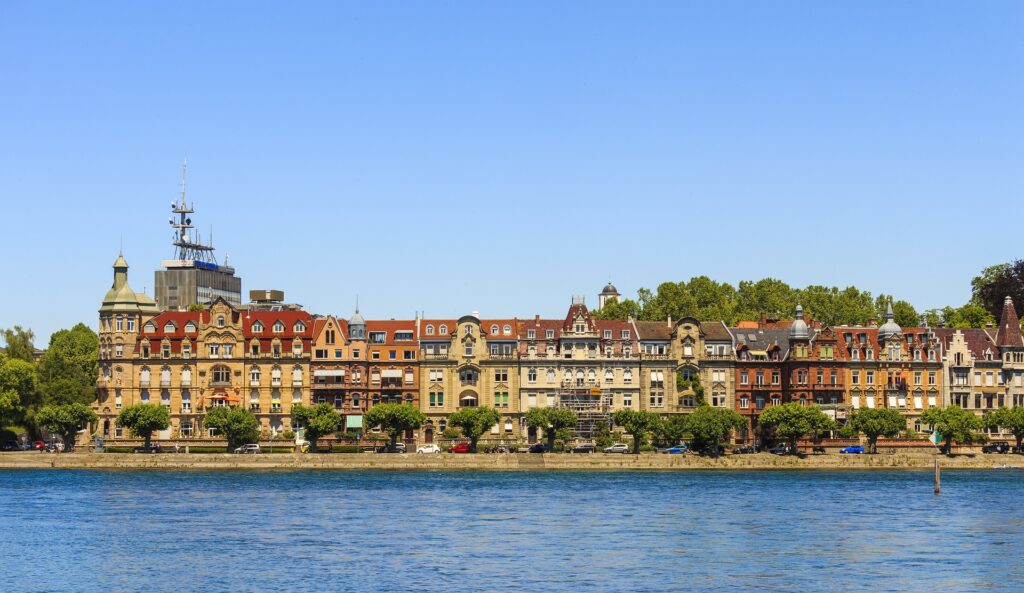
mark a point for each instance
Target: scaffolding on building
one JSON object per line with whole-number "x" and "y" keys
{"x": 589, "y": 403}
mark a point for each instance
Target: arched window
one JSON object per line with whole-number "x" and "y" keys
{"x": 592, "y": 376}
{"x": 186, "y": 377}
{"x": 144, "y": 377}
{"x": 254, "y": 376}
{"x": 275, "y": 376}
{"x": 297, "y": 375}
{"x": 220, "y": 321}
{"x": 494, "y": 329}
{"x": 430, "y": 330}
{"x": 165, "y": 376}
{"x": 507, "y": 330}
{"x": 297, "y": 348}
{"x": 443, "y": 329}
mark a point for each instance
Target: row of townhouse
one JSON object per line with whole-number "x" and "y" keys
{"x": 267, "y": 361}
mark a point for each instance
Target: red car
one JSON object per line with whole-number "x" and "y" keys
{"x": 38, "y": 445}
{"x": 459, "y": 448}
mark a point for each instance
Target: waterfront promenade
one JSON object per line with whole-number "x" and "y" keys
{"x": 505, "y": 462}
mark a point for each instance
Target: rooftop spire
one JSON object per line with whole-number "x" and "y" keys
{"x": 1009, "y": 334}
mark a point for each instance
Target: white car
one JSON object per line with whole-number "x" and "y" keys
{"x": 250, "y": 448}
{"x": 428, "y": 449}
{"x": 617, "y": 448}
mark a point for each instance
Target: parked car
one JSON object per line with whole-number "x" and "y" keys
{"x": 250, "y": 448}
{"x": 9, "y": 446}
{"x": 780, "y": 450}
{"x": 459, "y": 448}
{"x": 37, "y": 446}
{"x": 151, "y": 448}
{"x": 431, "y": 448}
{"x": 744, "y": 450}
{"x": 818, "y": 450}
{"x": 853, "y": 449}
{"x": 398, "y": 448}
{"x": 617, "y": 448}
{"x": 713, "y": 452}
{"x": 996, "y": 447}
{"x": 538, "y": 448}
{"x": 583, "y": 448}
{"x": 676, "y": 450}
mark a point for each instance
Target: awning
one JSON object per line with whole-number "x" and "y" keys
{"x": 329, "y": 373}
{"x": 354, "y": 421}
{"x": 759, "y": 353}
{"x": 391, "y": 373}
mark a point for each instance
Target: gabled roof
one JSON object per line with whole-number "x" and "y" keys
{"x": 978, "y": 340}
{"x": 715, "y": 331}
{"x": 575, "y": 310}
{"x": 655, "y": 330}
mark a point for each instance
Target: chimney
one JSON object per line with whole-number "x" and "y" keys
{"x": 536, "y": 319}
{"x": 762, "y": 321}
{"x": 670, "y": 321}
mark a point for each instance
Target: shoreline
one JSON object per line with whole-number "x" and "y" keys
{"x": 490, "y": 462}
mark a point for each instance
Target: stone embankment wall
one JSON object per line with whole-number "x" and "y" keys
{"x": 507, "y": 462}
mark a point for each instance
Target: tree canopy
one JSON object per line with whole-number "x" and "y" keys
{"x": 551, "y": 420}
{"x": 670, "y": 430}
{"x": 18, "y": 343}
{"x": 637, "y": 423}
{"x": 877, "y": 422}
{"x": 319, "y": 420}
{"x": 474, "y": 422}
{"x": 709, "y": 427}
{"x": 954, "y": 424}
{"x": 394, "y": 419}
{"x": 794, "y": 420}
{"x": 69, "y": 367}
{"x": 18, "y": 389}
{"x": 995, "y": 283}
{"x": 238, "y": 425}
{"x": 144, "y": 419}
{"x": 65, "y": 420}
{"x": 1009, "y": 419}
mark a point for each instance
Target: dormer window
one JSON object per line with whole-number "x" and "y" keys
{"x": 430, "y": 330}
{"x": 190, "y": 328}
{"x": 494, "y": 330}
{"x": 299, "y": 327}
{"x": 531, "y": 334}
{"x": 581, "y": 327}
{"x": 169, "y": 328}
{"x": 625, "y": 334}
{"x": 549, "y": 334}
{"x": 443, "y": 329}
{"x": 150, "y": 327}
{"x": 607, "y": 334}
{"x": 257, "y": 327}
{"x": 469, "y": 330}
{"x": 507, "y": 330}
{"x": 278, "y": 327}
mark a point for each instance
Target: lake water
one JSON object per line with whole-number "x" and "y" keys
{"x": 573, "y": 531}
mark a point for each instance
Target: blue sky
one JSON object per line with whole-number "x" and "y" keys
{"x": 453, "y": 156}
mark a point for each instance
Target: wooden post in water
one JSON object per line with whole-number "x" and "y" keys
{"x": 938, "y": 475}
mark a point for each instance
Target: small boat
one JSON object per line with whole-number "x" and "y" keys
{"x": 1005, "y": 467}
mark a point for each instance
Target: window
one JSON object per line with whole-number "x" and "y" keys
{"x": 403, "y": 336}
{"x": 409, "y": 377}
{"x": 531, "y": 334}
{"x": 220, "y": 321}
{"x": 186, "y": 377}
{"x": 607, "y": 334}
{"x": 494, "y": 329}
{"x": 320, "y": 353}
{"x": 436, "y": 399}
{"x": 627, "y": 376}
{"x": 501, "y": 375}
{"x": 430, "y": 330}
{"x": 551, "y": 375}
{"x": 625, "y": 334}
{"x": 442, "y": 329}
{"x": 469, "y": 349}
{"x": 870, "y": 377}
{"x": 213, "y": 350}
{"x": 276, "y": 350}
{"x": 131, "y": 324}
{"x": 392, "y": 355}
{"x": 507, "y": 330}
{"x": 378, "y": 337}
{"x": 186, "y": 350}
{"x": 257, "y": 327}
{"x": 501, "y": 399}
{"x": 117, "y": 398}
{"x": 550, "y": 334}
{"x": 627, "y": 400}
{"x": 221, "y": 375}
{"x": 744, "y": 379}
{"x": 609, "y": 376}
{"x": 745, "y": 402}
{"x": 301, "y": 327}
{"x": 531, "y": 376}
{"x": 169, "y": 328}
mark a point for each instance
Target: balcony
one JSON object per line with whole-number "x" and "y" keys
{"x": 647, "y": 356}
{"x": 718, "y": 357}
{"x": 275, "y": 382}
{"x": 275, "y": 408}
{"x": 503, "y": 356}
{"x": 186, "y": 382}
{"x": 143, "y": 382}
{"x": 435, "y": 356}
{"x": 296, "y": 382}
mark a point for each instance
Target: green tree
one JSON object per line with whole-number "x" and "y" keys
{"x": 670, "y": 430}
{"x": 954, "y": 424}
{"x": 474, "y": 422}
{"x": 18, "y": 343}
{"x": 793, "y": 420}
{"x": 710, "y": 427}
{"x": 603, "y": 435}
{"x": 144, "y": 419}
{"x": 903, "y": 312}
{"x": 615, "y": 309}
{"x": 551, "y": 420}
{"x": 196, "y": 308}
{"x": 998, "y": 282}
{"x": 773, "y": 297}
{"x": 394, "y": 419}
{"x": 238, "y": 425}
{"x": 18, "y": 389}
{"x": 319, "y": 420}
{"x": 71, "y": 358}
{"x": 636, "y": 423}
{"x": 877, "y": 422}
{"x": 65, "y": 420}
{"x": 969, "y": 315}
{"x": 1010, "y": 419}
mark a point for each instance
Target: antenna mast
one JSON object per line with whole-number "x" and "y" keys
{"x": 187, "y": 248}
